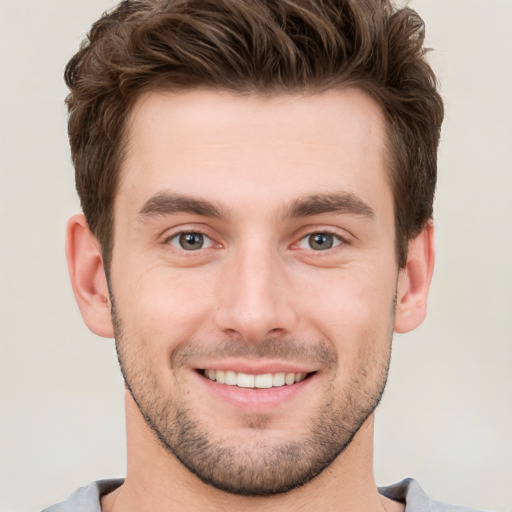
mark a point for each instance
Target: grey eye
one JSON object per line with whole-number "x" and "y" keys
{"x": 320, "y": 241}
{"x": 190, "y": 241}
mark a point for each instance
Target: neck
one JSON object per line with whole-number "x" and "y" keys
{"x": 157, "y": 481}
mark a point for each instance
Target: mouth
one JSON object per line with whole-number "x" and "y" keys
{"x": 258, "y": 381}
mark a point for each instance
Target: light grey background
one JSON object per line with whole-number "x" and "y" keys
{"x": 446, "y": 418}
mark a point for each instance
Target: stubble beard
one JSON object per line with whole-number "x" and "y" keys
{"x": 262, "y": 467}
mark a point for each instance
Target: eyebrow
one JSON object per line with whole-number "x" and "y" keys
{"x": 167, "y": 202}
{"x": 344, "y": 202}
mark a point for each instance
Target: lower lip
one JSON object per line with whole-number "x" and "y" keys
{"x": 254, "y": 399}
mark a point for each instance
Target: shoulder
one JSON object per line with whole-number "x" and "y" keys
{"x": 87, "y": 499}
{"x": 409, "y": 491}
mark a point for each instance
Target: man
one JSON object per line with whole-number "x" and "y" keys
{"x": 257, "y": 182}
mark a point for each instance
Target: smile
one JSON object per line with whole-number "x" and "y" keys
{"x": 261, "y": 381}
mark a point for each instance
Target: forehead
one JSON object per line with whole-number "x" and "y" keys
{"x": 238, "y": 146}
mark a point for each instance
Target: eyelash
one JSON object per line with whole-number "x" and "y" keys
{"x": 306, "y": 238}
{"x": 338, "y": 239}
{"x": 179, "y": 234}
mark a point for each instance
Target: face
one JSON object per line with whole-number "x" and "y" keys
{"x": 253, "y": 279}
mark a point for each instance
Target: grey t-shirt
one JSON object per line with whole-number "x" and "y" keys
{"x": 87, "y": 499}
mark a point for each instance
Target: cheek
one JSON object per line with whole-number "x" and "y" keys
{"x": 354, "y": 309}
{"x": 163, "y": 306}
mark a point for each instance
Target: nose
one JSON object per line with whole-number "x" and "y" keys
{"x": 255, "y": 295}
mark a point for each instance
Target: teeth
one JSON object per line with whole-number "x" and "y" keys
{"x": 263, "y": 381}
{"x": 278, "y": 379}
{"x": 246, "y": 380}
{"x": 229, "y": 377}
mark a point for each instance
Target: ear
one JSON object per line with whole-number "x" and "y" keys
{"x": 414, "y": 281}
{"x": 85, "y": 265}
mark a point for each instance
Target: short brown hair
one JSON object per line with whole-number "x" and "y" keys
{"x": 261, "y": 46}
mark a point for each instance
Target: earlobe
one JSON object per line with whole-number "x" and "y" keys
{"x": 414, "y": 281}
{"x": 85, "y": 265}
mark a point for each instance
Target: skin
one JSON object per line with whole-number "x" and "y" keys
{"x": 257, "y": 297}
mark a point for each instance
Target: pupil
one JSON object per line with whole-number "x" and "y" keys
{"x": 321, "y": 241}
{"x": 191, "y": 241}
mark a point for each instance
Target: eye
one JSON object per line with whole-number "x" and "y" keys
{"x": 190, "y": 241}
{"x": 320, "y": 241}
